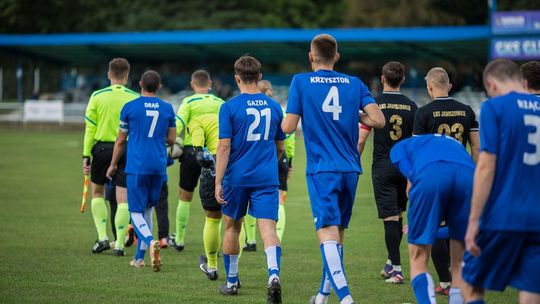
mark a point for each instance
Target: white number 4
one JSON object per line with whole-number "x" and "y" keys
{"x": 533, "y": 159}
{"x": 154, "y": 114}
{"x": 331, "y": 103}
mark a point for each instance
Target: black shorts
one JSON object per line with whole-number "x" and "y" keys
{"x": 101, "y": 160}
{"x": 389, "y": 187}
{"x": 189, "y": 169}
{"x": 207, "y": 190}
{"x": 283, "y": 172}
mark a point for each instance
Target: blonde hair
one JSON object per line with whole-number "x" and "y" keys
{"x": 438, "y": 78}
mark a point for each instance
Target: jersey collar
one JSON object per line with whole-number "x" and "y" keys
{"x": 392, "y": 93}
{"x": 443, "y": 98}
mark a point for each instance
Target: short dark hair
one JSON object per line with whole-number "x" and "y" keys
{"x": 150, "y": 81}
{"x": 248, "y": 69}
{"x": 201, "y": 78}
{"x": 119, "y": 68}
{"x": 531, "y": 73}
{"x": 503, "y": 70}
{"x": 324, "y": 47}
{"x": 393, "y": 73}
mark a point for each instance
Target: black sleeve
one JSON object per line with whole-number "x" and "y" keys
{"x": 474, "y": 122}
{"x": 419, "y": 123}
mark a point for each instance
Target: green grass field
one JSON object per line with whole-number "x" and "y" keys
{"x": 45, "y": 250}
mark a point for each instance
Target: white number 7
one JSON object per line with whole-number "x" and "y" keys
{"x": 335, "y": 108}
{"x": 154, "y": 114}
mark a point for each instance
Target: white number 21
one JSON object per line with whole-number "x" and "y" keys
{"x": 252, "y": 136}
{"x": 331, "y": 103}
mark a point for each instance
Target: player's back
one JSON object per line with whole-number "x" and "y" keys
{"x": 511, "y": 130}
{"x": 204, "y": 129}
{"x": 424, "y": 150}
{"x": 399, "y": 113}
{"x": 196, "y": 105}
{"x": 147, "y": 120}
{"x": 329, "y": 103}
{"x": 105, "y": 106}
{"x": 446, "y": 116}
{"x": 253, "y": 123}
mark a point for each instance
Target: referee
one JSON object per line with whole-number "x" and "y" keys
{"x": 102, "y": 119}
{"x": 445, "y": 115}
{"x": 389, "y": 185}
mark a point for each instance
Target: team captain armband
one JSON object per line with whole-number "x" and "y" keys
{"x": 364, "y": 127}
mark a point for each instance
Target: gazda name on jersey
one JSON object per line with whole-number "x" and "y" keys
{"x": 258, "y": 102}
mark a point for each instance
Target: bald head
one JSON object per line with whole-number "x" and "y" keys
{"x": 438, "y": 78}
{"x": 324, "y": 49}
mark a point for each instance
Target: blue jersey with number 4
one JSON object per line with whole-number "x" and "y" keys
{"x": 328, "y": 103}
{"x": 253, "y": 123}
{"x": 147, "y": 120}
{"x": 510, "y": 129}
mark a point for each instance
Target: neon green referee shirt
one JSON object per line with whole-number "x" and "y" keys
{"x": 204, "y": 131}
{"x": 102, "y": 116}
{"x": 194, "y": 106}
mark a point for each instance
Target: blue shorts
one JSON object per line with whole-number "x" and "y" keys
{"x": 143, "y": 191}
{"x": 506, "y": 258}
{"x": 332, "y": 197}
{"x": 442, "y": 191}
{"x": 260, "y": 202}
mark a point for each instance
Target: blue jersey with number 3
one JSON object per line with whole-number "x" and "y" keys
{"x": 328, "y": 103}
{"x": 510, "y": 129}
{"x": 147, "y": 121}
{"x": 253, "y": 123}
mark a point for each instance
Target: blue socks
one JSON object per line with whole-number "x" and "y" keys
{"x": 424, "y": 290}
{"x": 231, "y": 268}
{"x": 141, "y": 250}
{"x": 273, "y": 260}
{"x": 333, "y": 266}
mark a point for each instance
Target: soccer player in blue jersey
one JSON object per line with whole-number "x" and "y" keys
{"x": 150, "y": 124}
{"x": 503, "y": 235}
{"x": 439, "y": 172}
{"x": 250, "y": 141}
{"x": 329, "y": 103}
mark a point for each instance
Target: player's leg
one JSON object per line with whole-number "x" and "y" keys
{"x": 162, "y": 215}
{"x": 250, "y": 227}
{"x": 155, "y": 187}
{"x": 211, "y": 231}
{"x": 283, "y": 172}
{"x": 138, "y": 194}
{"x": 421, "y": 280}
{"x": 189, "y": 175}
{"x": 233, "y": 212}
{"x": 526, "y": 297}
{"x": 110, "y": 196}
{"x": 440, "y": 255}
{"x": 121, "y": 218}
{"x": 457, "y": 248}
{"x": 101, "y": 158}
{"x": 264, "y": 205}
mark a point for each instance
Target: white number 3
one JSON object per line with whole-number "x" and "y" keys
{"x": 331, "y": 103}
{"x": 533, "y": 159}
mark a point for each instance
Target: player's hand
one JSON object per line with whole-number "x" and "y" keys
{"x": 470, "y": 238}
{"x": 219, "y": 194}
{"x": 86, "y": 166}
{"x": 111, "y": 171}
{"x": 203, "y": 161}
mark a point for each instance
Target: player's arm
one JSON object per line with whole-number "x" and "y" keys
{"x": 119, "y": 146}
{"x": 171, "y": 136}
{"x": 483, "y": 181}
{"x": 222, "y": 160}
{"x": 294, "y": 109}
{"x": 362, "y": 138}
{"x": 290, "y": 123}
{"x": 474, "y": 141}
{"x": 372, "y": 116}
{"x": 280, "y": 148}
{"x": 90, "y": 120}
{"x": 182, "y": 117}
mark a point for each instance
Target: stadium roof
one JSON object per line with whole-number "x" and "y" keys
{"x": 274, "y": 45}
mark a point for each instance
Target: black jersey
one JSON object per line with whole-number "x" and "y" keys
{"x": 399, "y": 113}
{"x": 446, "y": 116}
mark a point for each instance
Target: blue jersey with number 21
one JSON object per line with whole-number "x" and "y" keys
{"x": 253, "y": 123}
{"x": 147, "y": 121}
{"x": 510, "y": 129}
{"x": 328, "y": 103}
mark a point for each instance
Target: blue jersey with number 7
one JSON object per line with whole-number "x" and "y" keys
{"x": 510, "y": 129}
{"x": 328, "y": 103}
{"x": 147, "y": 120}
{"x": 253, "y": 123}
